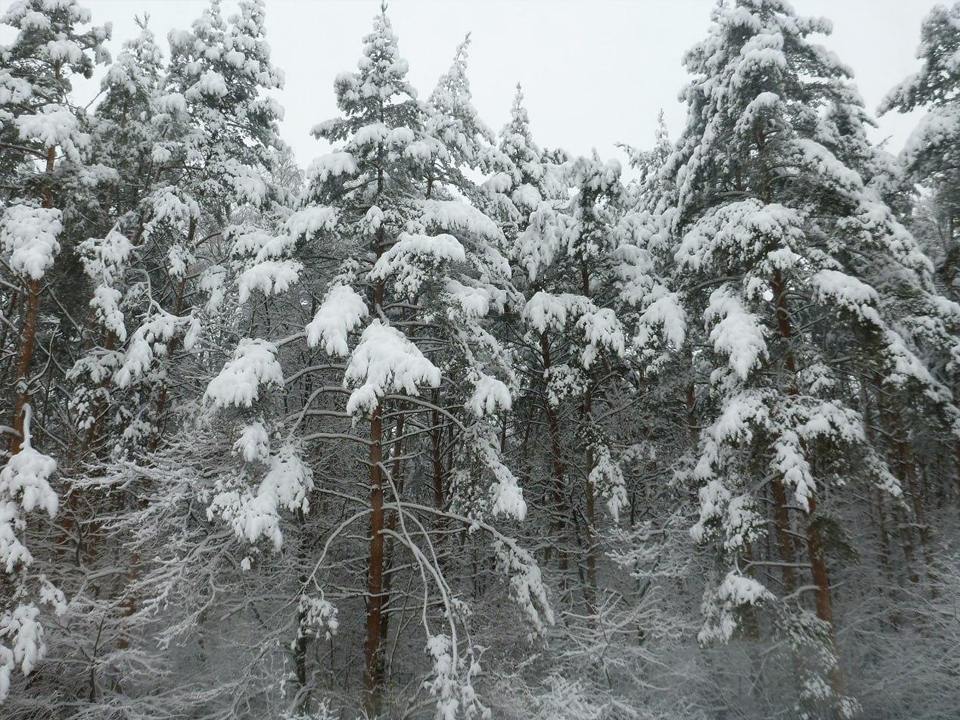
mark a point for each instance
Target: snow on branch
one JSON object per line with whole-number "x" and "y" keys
{"x": 29, "y": 235}
{"x": 736, "y": 333}
{"x": 254, "y": 363}
{"x": 339, "y": 314}
{"x": 386, "y": 361}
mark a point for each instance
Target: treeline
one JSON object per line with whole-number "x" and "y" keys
{"x": 451, "y": 425}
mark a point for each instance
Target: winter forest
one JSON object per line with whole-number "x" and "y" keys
{"x": 452, "y": 425}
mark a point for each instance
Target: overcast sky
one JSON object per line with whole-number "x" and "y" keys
{"x": 595, "y": 72}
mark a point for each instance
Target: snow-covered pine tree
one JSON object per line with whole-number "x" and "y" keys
{"x": 283, "y": 413}
{"x": 127, "y": 131}
{"x": 770, "y": 225}
{"x": 930, "y": 154}
{"x": 454, "y": 121}
{"x": 190, "y": 165}
{"x": 573, "y": 336}
{"x": 46, "y": 178}
{"x": 416, "y": 274}
{"x": 44, "y": 141}
{"x": 213, "y": 157}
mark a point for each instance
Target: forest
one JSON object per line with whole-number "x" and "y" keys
{"x": 451, "y": 425}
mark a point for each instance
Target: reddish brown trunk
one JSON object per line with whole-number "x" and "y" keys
{"x": 29, "y": 335}
{"x": 913, "y": 488}
{"x": 784, "y": 540}
{"x": 899, "y": 463}
{"x": 815, "y": 548}
{"x": 372, "y": 657}
{"x": 819, "y": 569}
{"x": 27, "y": 346}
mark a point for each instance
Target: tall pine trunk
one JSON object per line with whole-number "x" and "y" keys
{"x": 372, "y": 655}
{"x": 28, "y": 338}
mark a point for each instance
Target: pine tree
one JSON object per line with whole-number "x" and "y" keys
{"x": 418, "y": 275}
{"x": 930, "y": 152}
{"x": 770, "y": 226}
{"x": 44, "y": 164}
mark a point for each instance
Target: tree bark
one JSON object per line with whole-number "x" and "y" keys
{"x": 28, "y": 341}
{"x": 372, "y": 656}
{"x": 559, "y": 470}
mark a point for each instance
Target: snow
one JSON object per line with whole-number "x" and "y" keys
{"x": 489, "y": 395}
{"x": 54, "y": 126}
{"x": 29, "y": 646}
{"x": 271, "y": 277}
{"x": 319, "y": 616}
{"x": 713, "y": 497}
{"x": 192, "y": 335}
{"x": 104, "y": 258}
{"x": 29, "y": 235}
{"x": 526, "y": 196}
{"x": 147, "y": 340}
{"x": 309, "y": 221}
{"x": 169, "y": 207}
{"x": 743, "y": 229}
{"x": 173, "y": 103}
{"x": 253, "y": 443}
{"x": 665, "y": 312}
{"x": 180, "y": 259}
{"x": 601, "y": 330}
{"x": 332, "y": 166}
{"x": 552, "y": 311}
{"x": 212, "y": 282}
{"x": 24, "y": 487}
{"x": 455, "y": 215}
{"x": 734, "y": 592}
{"x": 736, "y": 333}
{"x": 410, "y": 246}
{"x": 526, "y": 583}
{"x": 251, "y": 241}
{"x": 339, "y": 314}
{"x": 210, "y": 83}
{"x": 247, "y": 181}
{"x": 812, "y": 156}
{"x": 792, "y": 466}
{"x": 256, "y": 514}
{"x": 385, "y": 361}
{"x": 64, "y": 51}
{"x": 606, "y": 476}
{"x": 13, "y": 90}
{"x": 506, "y": 494}
{"x": 410, "y": 260}
{"x": 106, "y": 303}
{"x": 846, "y": 291}
{"x": 254, "y": 363}
{"x": 26, "y": 475}
{"x": 474, "y": 302}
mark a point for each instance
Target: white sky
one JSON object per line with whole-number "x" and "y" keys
{"x": 595, "y": 72}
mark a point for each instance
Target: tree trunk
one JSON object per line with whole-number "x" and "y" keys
{"x": 559, "y": 471}
{"x": 27, "y": 345}
{"x": 372, "y": 656}
{"x": 590, "y": 591}
{"x": 28, "y": 340}
{"x": 815, "y": 547}
{"x": 390, "y": 546}
{"x": 781, "y": 514}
